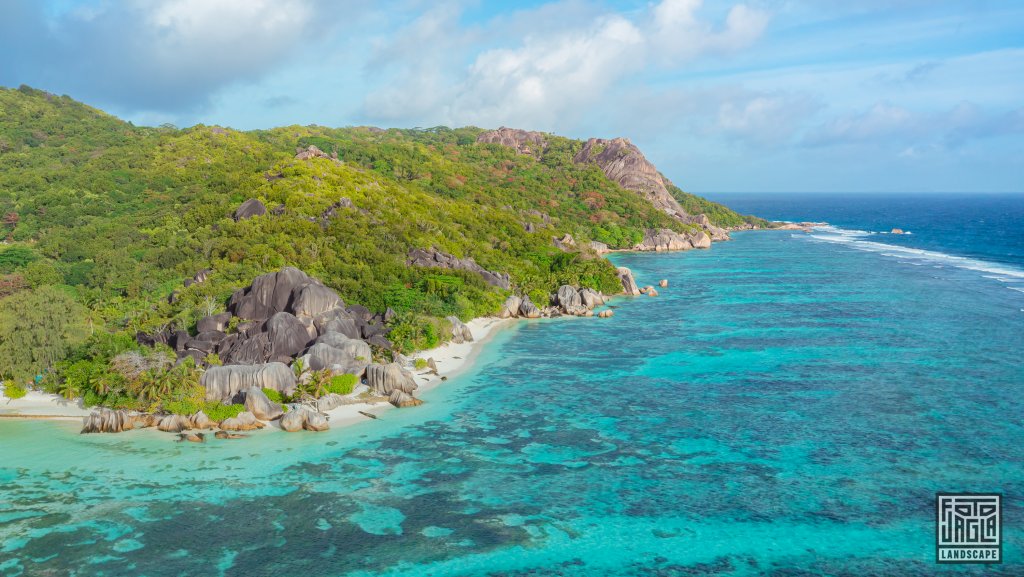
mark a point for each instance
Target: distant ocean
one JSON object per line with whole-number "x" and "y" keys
{"x": 789, "y": 405}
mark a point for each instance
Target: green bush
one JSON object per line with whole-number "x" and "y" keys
{"x": 274, "y": 395}
{"x": 342, "y": 384}
{"x": 13, "y": 391}
{"x": 218, "y": 411}
{"x": 421, "y": 364}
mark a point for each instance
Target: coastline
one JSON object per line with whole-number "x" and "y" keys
{"x": 452, "y": 359}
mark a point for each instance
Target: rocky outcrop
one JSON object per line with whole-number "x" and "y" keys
{"x": 351, "y": 357}
{"x": 527, "y": 309}
{"x": 245, "y": 421}
{"x": 300, "y": 418}
{"x": 664, "y": 239}
{"x": 174, "y": 423}
{"x": 109, "y": 421}
{"x": 565, "y": 244}
{"x": 314, "y": 300}
{"x": 622, "y": 162}
{"x": 511, "y": 307}
{"x": 269, "y": 294}
{"x": 316, "y": 422}
{"x": 225, "y": 382}
{"x": 460, "y": 332}
{"x": 383, "y": 379}
{"x": 434, "y": 258}
{"x": 293, "y": 420}
{"x": 201, "y": 421}
{"x": 629, "y": 285}
{"x": 249, "y": 209}
{"x": 288, "y": 335}
{"x": 402, "y": 399}
{"x": 715, "y": 232}
{"x": 522, "y": 141}
{"x": 599, "y": 248}
{"x": 312, "y": 151}
{"x": 213, "y": 323}
{"x": 257, "y": 403}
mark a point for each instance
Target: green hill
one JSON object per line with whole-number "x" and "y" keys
{"x": 115, "y": 217}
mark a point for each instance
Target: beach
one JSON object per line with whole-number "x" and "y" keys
{"x": 451, "y": 359}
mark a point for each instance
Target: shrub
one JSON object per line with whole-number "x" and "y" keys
{"x": 274, "y": 395}
{"x": 218, "y": 412}
{"x": 342, "y": 384}
{"x": 421, "y": 364}
{"x": 13, "y": 391}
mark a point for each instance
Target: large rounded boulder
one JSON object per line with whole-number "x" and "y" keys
{"x": 224, "y": 383}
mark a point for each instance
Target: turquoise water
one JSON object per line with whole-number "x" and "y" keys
{"x": 788, "y": 406}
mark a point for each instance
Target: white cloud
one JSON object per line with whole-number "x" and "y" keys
{"x": 550, "y": 78}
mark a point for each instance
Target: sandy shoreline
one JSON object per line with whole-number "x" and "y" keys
{"x": 451, "y": 360}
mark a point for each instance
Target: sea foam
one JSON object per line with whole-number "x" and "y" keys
{"x": 855, "y": 239}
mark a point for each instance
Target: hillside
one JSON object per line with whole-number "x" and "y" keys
{"x": 105, "y": 223}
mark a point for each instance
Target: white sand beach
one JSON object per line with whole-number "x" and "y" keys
{"x": 40, "y": 405}
{"x": 451, "y": 359}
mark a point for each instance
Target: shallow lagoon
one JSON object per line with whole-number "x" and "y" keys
{"x": 787, "y": 406}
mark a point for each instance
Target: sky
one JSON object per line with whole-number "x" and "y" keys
{"x": 761, "y": 95}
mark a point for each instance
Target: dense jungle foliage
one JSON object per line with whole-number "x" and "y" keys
{"x": 102, "y": 220}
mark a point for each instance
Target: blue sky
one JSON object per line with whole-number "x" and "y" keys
{"x": 761, "y": 95}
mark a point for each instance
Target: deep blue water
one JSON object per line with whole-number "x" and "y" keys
{"x": 789, "y": 405}
{"x": 982, "y": 226}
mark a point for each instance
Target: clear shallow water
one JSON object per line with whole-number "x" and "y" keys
{"x": 788, "y": 406}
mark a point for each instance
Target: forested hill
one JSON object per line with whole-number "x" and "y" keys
{"x": 104, "y": 220}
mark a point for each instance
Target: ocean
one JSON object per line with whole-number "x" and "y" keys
{"x": 789, "y": 405}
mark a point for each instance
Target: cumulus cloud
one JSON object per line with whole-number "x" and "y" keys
{"x": 547, "y": 78}
{"x": 168, "y": 55}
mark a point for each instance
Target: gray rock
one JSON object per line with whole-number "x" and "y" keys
{"x": 223, "y": 383}
{"x": 323, "y": 356}
{"x": 403, "y": 399}
{"x": 213, "y": 323}
{"x": 252, "y": 350}
{"x": 249, "y": 209}
{"x": 174, "y": 423}
{"x": 382, "y": 379}
{"x": 245, "y": 421}
{"x": 434, "y": 258}
{"x": 257, "y": 403}
{"x": 337, "y": 321}
{"x": 511, "y": 307}
{"x": 268, "y": 294}
{"x": 288, "y": 336}
{"x": 108, "y": 421}
{"x": 294, "y": 420}
{"x": 629, "y": 286}
{"x": 528, "y": 310}
{"x": 591, "y": 298}
{"x": 316, "y": 422}
{"x": 567, "y": 297}
{"x": 201, "y": 421}
{"x": 315, "y": 299}
{"x": 460, "y": 331}
{"x": 329, "y": 402}
{"x": 354, "y": 348}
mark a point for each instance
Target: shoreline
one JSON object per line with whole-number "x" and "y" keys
{"x": 452, "y": 359}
